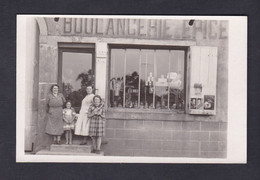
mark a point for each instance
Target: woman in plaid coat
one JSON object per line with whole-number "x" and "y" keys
{"x": 97, "y": 122}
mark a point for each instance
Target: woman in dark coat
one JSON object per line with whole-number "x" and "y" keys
{"x": 55, "y": 102}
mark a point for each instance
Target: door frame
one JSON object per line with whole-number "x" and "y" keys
{"x": 76, "y": 48}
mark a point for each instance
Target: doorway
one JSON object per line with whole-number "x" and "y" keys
{"x": 76, "y": 71}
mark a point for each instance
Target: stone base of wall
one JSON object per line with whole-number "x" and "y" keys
{"x": 166, "y": 138}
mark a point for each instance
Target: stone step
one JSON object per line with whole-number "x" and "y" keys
{"x": 73, "y": 148}
{"x": 48, "y": 152}
{"x": 78, "y": 139}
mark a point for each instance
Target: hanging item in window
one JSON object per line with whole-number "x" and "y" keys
{"x": 193, "y": 103}
{"x": 149, "y": 83}
{"x": 117, "y": 86}
{"x": 209, "y": 102}
{"x": 149, "y": 90}
{"x": 132, "y": 90}
{"x": 198, "y": 89}
{"x": 174, "y": 80}
{"x": 199, "y": 103}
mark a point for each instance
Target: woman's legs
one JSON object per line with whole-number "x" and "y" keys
{"x": 58, "y": 139}
{"x": 54, "y": 139}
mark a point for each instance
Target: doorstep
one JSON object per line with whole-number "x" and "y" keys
{"x": 48, "y": 152}
{"x": 63, "y": 149}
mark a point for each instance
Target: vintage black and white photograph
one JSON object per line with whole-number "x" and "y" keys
{"x": 129, "y": 88}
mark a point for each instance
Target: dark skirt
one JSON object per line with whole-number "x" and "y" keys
{"x": 97, "y": 126}
{"x": 54, "y": 124}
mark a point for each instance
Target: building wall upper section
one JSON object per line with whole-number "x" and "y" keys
{"x": 158, "y": 29}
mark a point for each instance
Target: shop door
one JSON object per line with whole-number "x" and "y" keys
{"x": 76, "y": 72}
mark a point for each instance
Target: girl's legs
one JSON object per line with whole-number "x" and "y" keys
{"x": 98, "y": 143}
{"x": 67, "y": 137}
{"x": 94, "y": 144}
{"x": 70, "y": 136}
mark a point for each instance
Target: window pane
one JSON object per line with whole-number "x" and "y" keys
{"x": 147, "y": 78}
{"x": 176, "y": 81}
{"x": 117, "y": 77}
{"x": 132, "y": 78}
{"x": 161, "y": 85}
{"x": 76, "y": 75}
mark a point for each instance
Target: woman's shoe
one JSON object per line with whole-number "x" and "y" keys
{"x": 58, "y": 143}
{"x": 83, "y": 143}
{"x": 93, "y": 151}
{"x": 98, "y": 152}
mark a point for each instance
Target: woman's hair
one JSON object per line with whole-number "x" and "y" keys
{"x": 89, "y": 86}
{"x": 54, "y": 86}
{"x": 97, "y": 96}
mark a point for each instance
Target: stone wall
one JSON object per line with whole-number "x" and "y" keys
{"x": 166, "y": 138}
{"x": 30, "y": 48}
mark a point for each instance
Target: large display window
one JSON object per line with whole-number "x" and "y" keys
{"x": 147, "y": 78}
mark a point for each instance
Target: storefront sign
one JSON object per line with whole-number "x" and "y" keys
{"x": 145, "y": 28}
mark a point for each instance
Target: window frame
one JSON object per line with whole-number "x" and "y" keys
{"x": 150, "y": 47}
{"x": 74, "y": 48}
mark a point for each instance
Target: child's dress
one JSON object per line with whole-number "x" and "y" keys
{"x": 97, "y": 121}
{"x": 69, "y": 119}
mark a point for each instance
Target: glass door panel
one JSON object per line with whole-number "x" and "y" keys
{"x": 77, "y": 74}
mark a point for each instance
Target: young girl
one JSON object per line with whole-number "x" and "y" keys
{"x": 97, "y": 122}
{"x": 69, "y": 124}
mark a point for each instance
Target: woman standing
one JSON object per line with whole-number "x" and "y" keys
{"x": 82, "y": 125}
{"x": 97, "y": 122}
{"x": 54, "y": 126}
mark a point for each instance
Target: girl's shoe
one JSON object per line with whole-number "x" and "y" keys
{"x": 93, "y": 151}
{"x": 98, "y": 152}
{"x": 67, "y": 143}
{"x": 58, "y": 143}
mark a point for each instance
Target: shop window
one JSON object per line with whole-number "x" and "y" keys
{"x": 143, "y": 78}
{"x": 76, "y": 71}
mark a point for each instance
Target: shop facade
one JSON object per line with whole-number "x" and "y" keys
{"x": 164, "y": 81}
